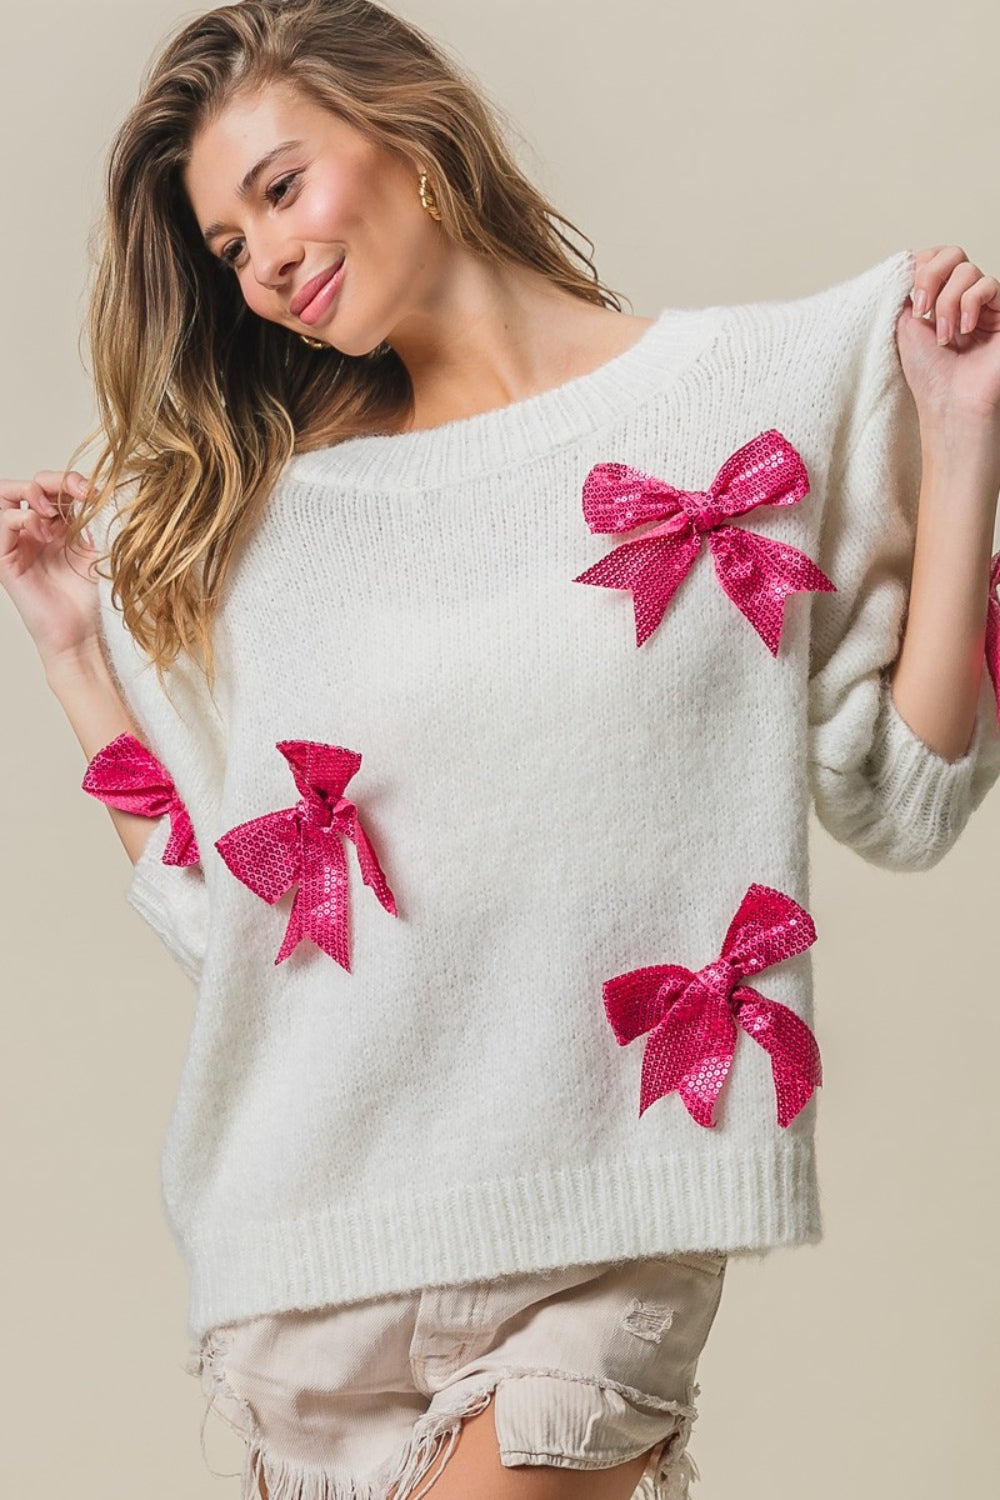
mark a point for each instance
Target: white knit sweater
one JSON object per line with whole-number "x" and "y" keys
{"x": 551, "y": 805}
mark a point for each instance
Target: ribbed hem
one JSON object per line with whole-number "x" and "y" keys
{"x": 925, "y": 792}
{"x": 492, "y": 441}
{"x": 747, "y": 1199}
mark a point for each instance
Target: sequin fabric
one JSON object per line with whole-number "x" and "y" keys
{"x": 126, "y": 774}
{"x": 304, "y": 844}
{"x": 993, "y": 631}
{"x": 757, "y": 572}
{"x": 692, "y": 1017}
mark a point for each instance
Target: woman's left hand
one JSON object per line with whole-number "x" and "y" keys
{"x": 955, "y": 383}
{"x": 953, "y": 375}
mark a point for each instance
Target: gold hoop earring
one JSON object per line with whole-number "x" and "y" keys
{"x": 427, "y": 198}
{"x": 314, "y": 343}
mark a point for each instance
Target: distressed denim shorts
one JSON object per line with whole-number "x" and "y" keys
{"x": 588, "y": 1366}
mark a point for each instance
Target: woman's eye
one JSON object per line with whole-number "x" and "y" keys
{"x": 227, "y": 255}
{"x": 283, "y": 182}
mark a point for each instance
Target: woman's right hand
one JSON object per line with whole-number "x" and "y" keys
{"x": 54, "y": 588}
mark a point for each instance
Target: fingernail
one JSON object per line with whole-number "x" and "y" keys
{"x": 943, "y": 331}
{"x": 919, "y": 301}
{"x": 965, "y": 325}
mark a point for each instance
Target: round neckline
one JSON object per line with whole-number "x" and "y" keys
{"x": 493, "y": 440}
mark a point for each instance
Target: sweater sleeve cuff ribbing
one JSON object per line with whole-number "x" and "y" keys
{"x": 172, "y": 899}
{"x": 926, "y": 798}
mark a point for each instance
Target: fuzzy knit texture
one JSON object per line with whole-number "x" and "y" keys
{"x": 551, "y": 806}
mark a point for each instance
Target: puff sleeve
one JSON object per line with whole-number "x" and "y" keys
{"x": 876, "y": 786}
{"x": 182, "y": 730}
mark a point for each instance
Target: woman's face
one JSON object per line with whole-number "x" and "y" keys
{"x": 328, "y": 195}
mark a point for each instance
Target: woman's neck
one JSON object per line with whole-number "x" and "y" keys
{"x": 482, "y": 336}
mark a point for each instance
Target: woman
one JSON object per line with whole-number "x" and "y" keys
{"x": 438, "y": 832}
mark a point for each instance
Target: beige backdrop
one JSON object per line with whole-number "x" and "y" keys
{"x": 714, "y": 153}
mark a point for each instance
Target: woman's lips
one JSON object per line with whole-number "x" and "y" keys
{"x": 317, "y": 307}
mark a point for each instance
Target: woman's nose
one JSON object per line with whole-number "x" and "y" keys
{"x": 273, "y": 265}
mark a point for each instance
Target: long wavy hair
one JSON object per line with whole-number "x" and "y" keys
{"x": 200, "y": 401}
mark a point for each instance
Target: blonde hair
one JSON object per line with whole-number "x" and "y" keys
{"x": 201, "y": 402}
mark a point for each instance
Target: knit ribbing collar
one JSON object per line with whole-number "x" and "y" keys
{"x": 492, "y": 441}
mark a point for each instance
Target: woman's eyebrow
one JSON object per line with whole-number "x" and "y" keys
{"x": 246, "y": 185}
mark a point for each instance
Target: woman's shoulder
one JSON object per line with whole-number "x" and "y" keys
{"x": 884, "y": 283}
{"x": 837, "y": 341}
{"x": 884, "y": 280}
{"x": 866, "y": 308}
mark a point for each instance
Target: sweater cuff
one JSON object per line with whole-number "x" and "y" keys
{"x": 170, "y": 898}
{"x": 930, "y": 795}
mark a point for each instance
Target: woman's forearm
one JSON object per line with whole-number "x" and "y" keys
{"x": 84, "y": 686}
{"x": 936, "y": 678}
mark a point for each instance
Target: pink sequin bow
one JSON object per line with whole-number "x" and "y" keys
{"x": 757, "y": 572}
{"x": 692, "y": 1018}
{"x": 126, "y": 774}
{"x": 304, "y": 843}
{"x": 993, "y": 631}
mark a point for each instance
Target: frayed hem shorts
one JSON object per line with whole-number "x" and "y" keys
{"x": 587, "y": 1367}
